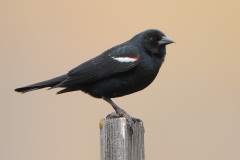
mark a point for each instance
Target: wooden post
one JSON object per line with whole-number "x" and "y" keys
{"x": 117, "y": 143}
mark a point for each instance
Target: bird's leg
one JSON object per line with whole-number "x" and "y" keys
{"x": 120, "y": 113}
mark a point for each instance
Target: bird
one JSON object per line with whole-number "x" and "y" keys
{"x": 119, "y": 71}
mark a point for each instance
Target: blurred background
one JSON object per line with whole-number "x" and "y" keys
{"x": 191, "y": 111}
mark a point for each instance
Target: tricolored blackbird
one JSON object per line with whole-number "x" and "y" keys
{"x": 119, "y": 71}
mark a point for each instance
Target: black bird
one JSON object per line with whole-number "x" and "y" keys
{"x": 119, "y": 71}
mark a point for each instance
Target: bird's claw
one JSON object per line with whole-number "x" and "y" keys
{"x": 136, "y": 120}
{"x": 113, "y": 115}
{"x": 130, "y": 120}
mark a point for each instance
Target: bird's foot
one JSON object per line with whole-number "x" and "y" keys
{"x": 113, "y": 115}
{"x": 136, "y": 120}
{"x": 122, "y": 113}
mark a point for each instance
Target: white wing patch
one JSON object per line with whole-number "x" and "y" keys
{"x": 125, "y": 59}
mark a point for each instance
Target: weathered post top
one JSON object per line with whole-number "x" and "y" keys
{"x": 118, "y": 143}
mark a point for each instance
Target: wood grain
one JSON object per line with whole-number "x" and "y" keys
{"x": 117, "y": 142}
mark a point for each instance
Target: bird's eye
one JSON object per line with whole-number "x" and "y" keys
{"x": 152, "y": 39}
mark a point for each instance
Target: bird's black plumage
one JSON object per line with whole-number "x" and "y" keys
{"x": 121, "y": 70}
{"x": 100, "y": 67}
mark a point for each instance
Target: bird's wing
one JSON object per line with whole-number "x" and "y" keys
{"x": 105, "y": 65}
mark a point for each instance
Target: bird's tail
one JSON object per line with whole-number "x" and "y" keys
{"x": 47, "y": 83}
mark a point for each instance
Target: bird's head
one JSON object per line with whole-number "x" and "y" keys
{"x": 153, "y": 41}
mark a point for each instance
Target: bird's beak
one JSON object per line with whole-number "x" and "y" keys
{"x": 165, "y": 41}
